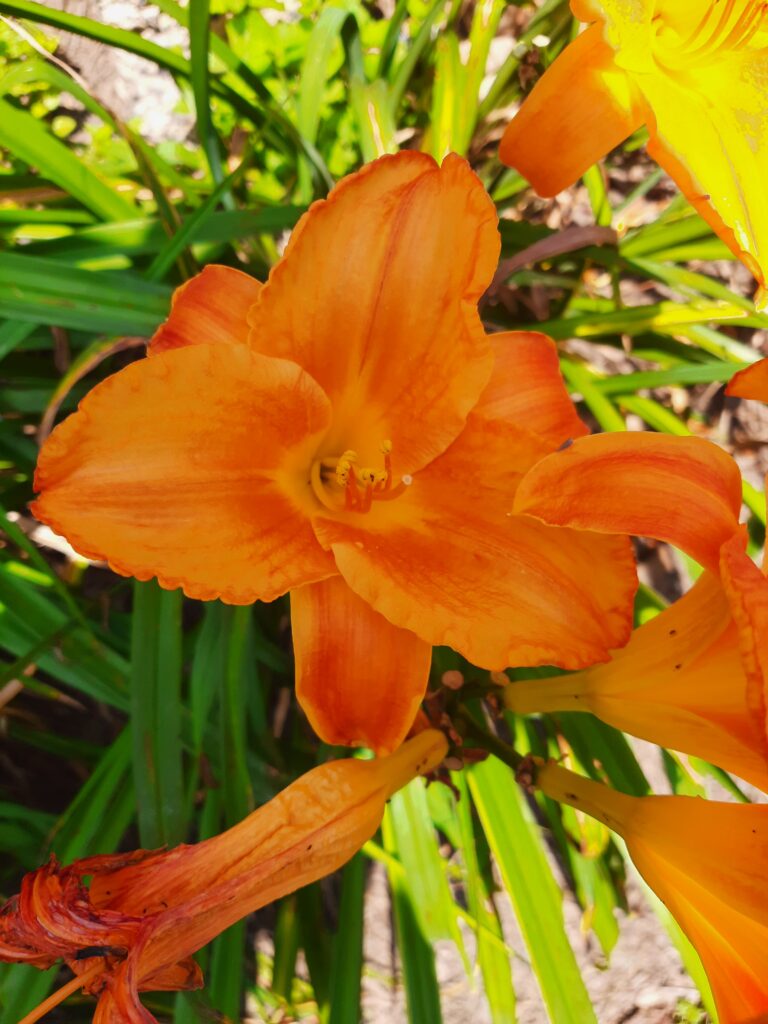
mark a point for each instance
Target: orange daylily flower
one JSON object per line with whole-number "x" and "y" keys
{"x": 707, "y": 861}
{"x": 694, "y": 678}
{"x": 347, "y": 431}
{"x": 134, "y": 927}
{"x": 694, "y": 72}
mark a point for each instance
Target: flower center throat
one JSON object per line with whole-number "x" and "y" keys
{"x": 340, "y": 484}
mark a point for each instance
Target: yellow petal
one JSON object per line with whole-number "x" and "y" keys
{"x": 710, "y": 133}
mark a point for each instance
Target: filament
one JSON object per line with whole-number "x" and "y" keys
{"x": 79, "y": 981}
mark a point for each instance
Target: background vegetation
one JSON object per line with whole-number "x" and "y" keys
{"x": 130, "y": 716}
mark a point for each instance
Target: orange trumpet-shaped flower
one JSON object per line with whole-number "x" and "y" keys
{"x": 135, "y": 925}
{"x": 347, "y": 431}
{"x": 695, "y": 678}
{"x": 694, "y": 72}
{"x": 707, "y": 861}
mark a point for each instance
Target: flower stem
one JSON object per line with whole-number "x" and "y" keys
{"x": 488, "y": 741}
{"x": 79, "y": 981}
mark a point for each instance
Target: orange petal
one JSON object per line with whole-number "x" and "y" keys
{"x": 751, "y": 382}
{"x": 581, "y": 108}
{"x": 526, "y": 387}
{"x": 192, "y": 466}
{"x": 448, "y": 561}
{"x": 376, "y": 298}
{"x": 666, "y": 686}
{"x": 732, "y": 944}
{"x": 359, "y": 679}
{"x": 706, "y": 861}
{"x": 682, "y": 490}
{"x": 747, "y": 591}
{"x": 209, "y": 309}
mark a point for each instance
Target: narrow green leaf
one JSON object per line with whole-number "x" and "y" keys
{"x": 286, "y": 947}
{"x": 580, "y": 379}
{"x": 673, "y": 376}
{"x": 236, "y": 783}
{"x": 447, "y": 97}
{"x": 416, "y": 953}
{"x": 80, "y": 660}
{"x": 192, "y": 226}
{"x": 314, "y": 940}
{"x": 494, "y": 963}
{"x": 199, "y": 40}
{"x": 156, "y": 713}
{"x": 98, "y": 817}
{"x": 12, "y": 333}
{"x": 424, "y": 867}
{"x": 25, "y": 137}
{"x": 347, "y": 963}
{"x": 323, "y": 40}
{"x": 226, "y": 977}
{"x": 597, "y": 191}
{"x": 518, "y": 850}
{"x": 485, "y": 21}
{"x": 370, "y": 102}
{"x": 47, "y": 291}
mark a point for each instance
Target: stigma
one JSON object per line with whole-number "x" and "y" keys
{"x": 341, "y": 484}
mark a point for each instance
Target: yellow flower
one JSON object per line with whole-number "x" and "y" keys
{"x": 696, "y": 73}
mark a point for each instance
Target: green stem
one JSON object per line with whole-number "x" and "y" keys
{"x": 487, "y": 741}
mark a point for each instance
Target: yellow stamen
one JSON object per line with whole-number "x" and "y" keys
{"x": 79, "y": 981}
{"x": 361, "y": 487}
